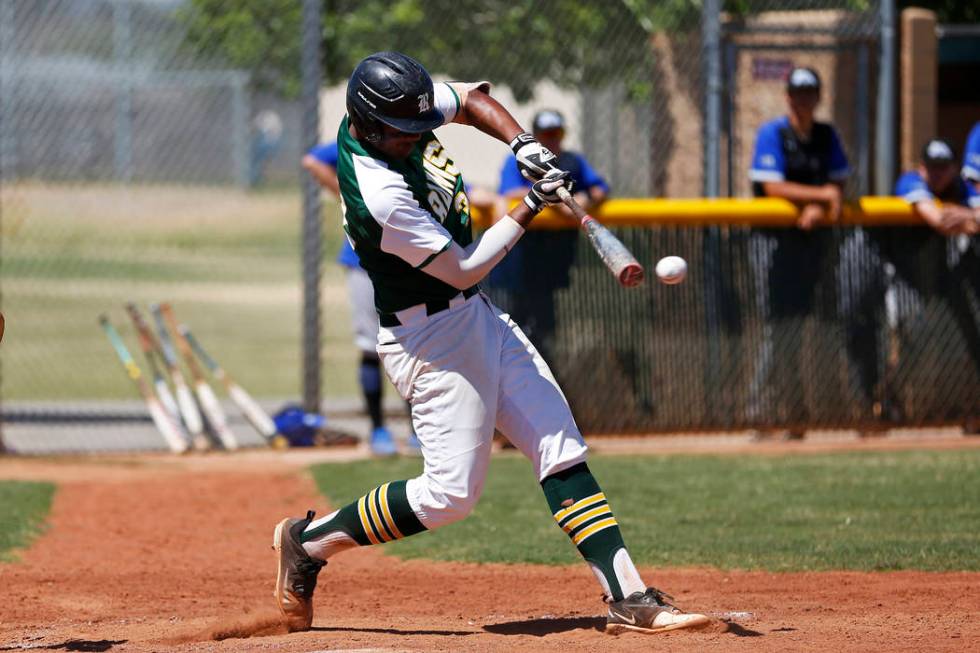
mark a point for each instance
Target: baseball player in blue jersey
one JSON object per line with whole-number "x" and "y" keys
{"x": 799, "y": 159}
{"x": 321, "y": 163}
{"x": 937, "y": 178}
{"x": 934, "y": 260}
{"x": 464, "y": 365}
{"x": 540, "y": 262}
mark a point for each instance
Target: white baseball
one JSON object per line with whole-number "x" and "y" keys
{"x": 671, "y": 269}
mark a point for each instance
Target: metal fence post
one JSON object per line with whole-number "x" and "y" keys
{"x": 7, "y": 147}
{"x": 711, "y": 51}
{"x": 885, "y": 132}
{"x": 241, "y": 128}
{"x": 310, "y": 71}
{"x": 862, "y": 131}
{"x": 711, "y": 246}
{"x": 122, "y": 54}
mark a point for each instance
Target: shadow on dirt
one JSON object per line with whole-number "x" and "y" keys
{"x": 388, "y": 631}
{"x": 738, "y": 630}
{"x": 542, "y": 627}
{"x": 95, "y": 646}
{"x": 546, "y": 626}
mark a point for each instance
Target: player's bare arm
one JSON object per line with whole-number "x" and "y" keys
{"x": 827, "y": 199}
{"x": 803, "y": 193}
{"x": 480, "y": 110}
{"x": 324, "y": 175}
{"x": 948, "y": 219}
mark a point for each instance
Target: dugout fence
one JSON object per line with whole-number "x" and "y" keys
{"x": 868, "y": 325}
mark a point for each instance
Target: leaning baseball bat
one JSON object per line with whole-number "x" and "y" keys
{"x": 185, "y": 400}
{"x": 151, "y": 348}
{"x": 613, "y": 253}
{"x": 209, "y": 402}
{"x": 257, "y": 417}
{"x": 164, "y": 422}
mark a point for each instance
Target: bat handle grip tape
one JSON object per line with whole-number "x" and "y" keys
{"x": 570, "y": 202}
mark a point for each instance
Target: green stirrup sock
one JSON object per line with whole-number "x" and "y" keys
{"x": 581, "y": 510}
{"x": 381, "y": 515}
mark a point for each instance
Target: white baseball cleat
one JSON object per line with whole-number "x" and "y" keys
{"x": 650, "y": 612}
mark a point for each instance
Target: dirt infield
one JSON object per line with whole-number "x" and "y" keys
{"x": 151, "y": 554}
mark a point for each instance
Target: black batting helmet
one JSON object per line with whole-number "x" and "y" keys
{"x": 394, "y": 89}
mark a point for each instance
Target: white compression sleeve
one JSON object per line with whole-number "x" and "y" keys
{"x": 462, "y": 268}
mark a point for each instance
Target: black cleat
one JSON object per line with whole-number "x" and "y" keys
{"x": 296, "y": 579}
{"x": 649, "y": 612}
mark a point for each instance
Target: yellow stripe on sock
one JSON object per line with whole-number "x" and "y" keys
{"x": 365, "y": 522}
{"x": 594, "y": 528}
{"x": 578, "y": 505}
{"x": 375, "y": 515}
{"x": 389, "y": 520}
{"x": 584, "y": 517}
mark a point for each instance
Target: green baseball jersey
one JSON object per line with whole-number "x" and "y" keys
{"x": 399, "y": 214}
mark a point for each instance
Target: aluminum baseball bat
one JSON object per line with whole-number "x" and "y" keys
{"x": 613, "y": 253}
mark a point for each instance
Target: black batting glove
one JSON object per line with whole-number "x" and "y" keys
{"x": 534, "y": 160}
{"x": 545, "y": 190}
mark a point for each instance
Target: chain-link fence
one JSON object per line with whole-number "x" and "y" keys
{"x": 137, "y": 164}
{"x": 773, "y": 329}
{"x": 149, "y": 151}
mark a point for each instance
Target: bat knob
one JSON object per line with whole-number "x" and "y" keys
{"x": 631, "y": 275}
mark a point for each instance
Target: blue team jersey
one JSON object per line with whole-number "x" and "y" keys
{"x": 971, "y": 156}
{"x": 582, "y": 173}
{"x": 326, "y": 154}
{"x": 780, "y": 155}
{"x": 912, "y": 188}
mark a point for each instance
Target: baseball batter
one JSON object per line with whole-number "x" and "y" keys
{"x": 463, "y": 364}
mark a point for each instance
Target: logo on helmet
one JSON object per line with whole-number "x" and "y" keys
{"x": 423, "y": 103}
{"x": 369, "y": 102}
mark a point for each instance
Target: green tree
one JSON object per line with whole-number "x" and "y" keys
{"x": 517, "y": 44}
{"x": 261, "y": 36}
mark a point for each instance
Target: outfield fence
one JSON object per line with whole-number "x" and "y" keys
{"x": 149, "y": 151}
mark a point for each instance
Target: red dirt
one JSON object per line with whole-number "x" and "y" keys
{"x": 162, "y": 555}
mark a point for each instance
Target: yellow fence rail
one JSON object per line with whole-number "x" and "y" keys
{"x": 763, "y": 212}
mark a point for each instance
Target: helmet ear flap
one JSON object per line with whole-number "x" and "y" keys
{"x": 368, "y": 128}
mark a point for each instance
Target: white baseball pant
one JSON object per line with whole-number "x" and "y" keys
{"x": 466, "y": 370}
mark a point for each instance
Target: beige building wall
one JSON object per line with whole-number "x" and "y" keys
{"x": 759, "y": 95}
{"x": 678, "y": 106}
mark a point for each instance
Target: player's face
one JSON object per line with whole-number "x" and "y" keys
{"x": 397, "y": 144}
{"x": 551, "y": 138}
{"x": 939, "y": 176}
{"x": 803, "y": 102}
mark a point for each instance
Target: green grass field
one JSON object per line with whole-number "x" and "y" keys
{"x": 228, "y": 260}
{"x": 859, "y": 511}
{"x": 23, "y": 506}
